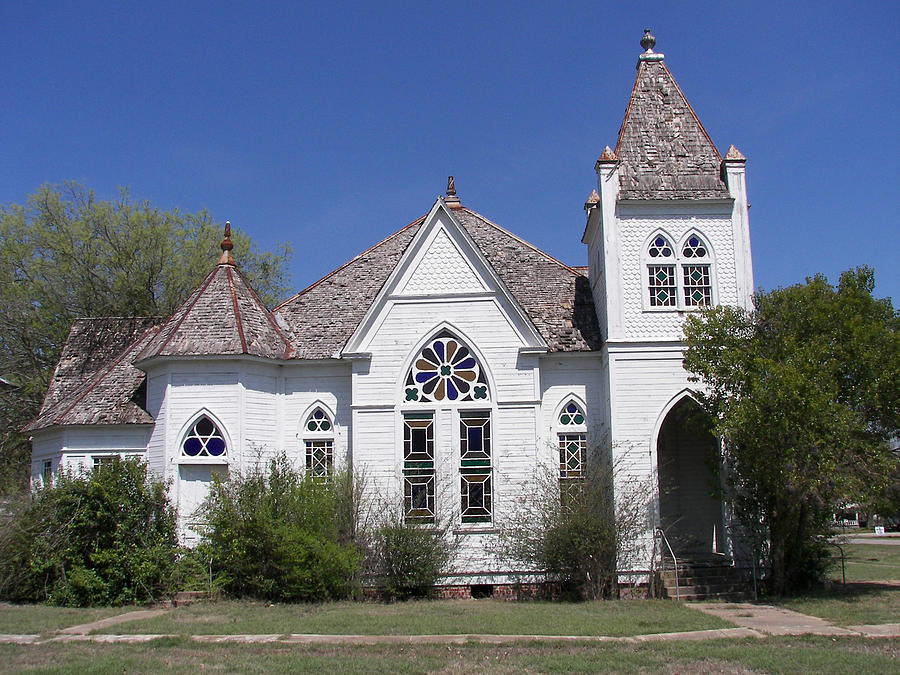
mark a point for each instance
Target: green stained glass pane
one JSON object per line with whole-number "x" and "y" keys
{"x": 579, "y": 419}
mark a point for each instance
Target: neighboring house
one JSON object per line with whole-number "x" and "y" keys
{"x": 450, "y": 361}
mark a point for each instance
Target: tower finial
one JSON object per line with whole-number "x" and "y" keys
{"x": 226, "y": 257}
{"x": 451, "y": 187}
{"x": 648, "y": 42}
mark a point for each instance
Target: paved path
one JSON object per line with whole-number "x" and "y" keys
{"x": 756, "y": 621}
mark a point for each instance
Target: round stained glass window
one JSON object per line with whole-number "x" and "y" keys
{"x": 318, "y": 421}
{"x": 445, "y": 370}
{"x": 204, "y": 440}
{"x": 694, "y": 248}
{"x": 572, "y": 415}
{"x": 659, "y": 248}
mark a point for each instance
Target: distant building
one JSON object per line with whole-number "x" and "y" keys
{"x": 451, "y": 360}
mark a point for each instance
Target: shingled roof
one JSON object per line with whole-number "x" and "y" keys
{"x": 223, "y": 316}
{"x": 556, "y": 298}
{"x": 665, "y": 152}
{"x": 95, "y": 381}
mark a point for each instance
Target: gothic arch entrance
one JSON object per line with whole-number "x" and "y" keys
{"x": 690, "y": 506}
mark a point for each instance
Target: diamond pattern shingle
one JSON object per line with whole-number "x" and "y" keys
{"x": 665, "y": 152}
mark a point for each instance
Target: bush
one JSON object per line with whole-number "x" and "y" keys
{"x": 409, "y": 559}
{"x": 106, "y": 537}
{"x": 575, "y": 530}
{"x": 281, "y": 535}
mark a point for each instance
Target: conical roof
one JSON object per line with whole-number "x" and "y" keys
{"x": 665, "y": 152}
{"x": 223, "y": 316}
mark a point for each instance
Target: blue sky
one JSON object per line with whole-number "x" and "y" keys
{"x": 334, "y": 125}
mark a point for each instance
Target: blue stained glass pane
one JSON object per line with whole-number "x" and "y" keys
{"x": 693, "y": 241}
{"x": 215, "y": 446}
{"x": 425, "y": 377}
{"x": 467, "y": 363}
{"x": 318, "y": 414}
{"x": 660, "y": 242}
{"x": 571, "y": 408}
{"x": 439, "y": 350}
{"x": 192, "y": 447}
{"x": 452, "y": 394}
{"x": 475, "y": 439}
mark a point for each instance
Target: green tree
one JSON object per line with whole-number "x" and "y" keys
{"x": 106, "y": 537}
{"x": 66, "y": 254}
{"x": 806, "y": 393}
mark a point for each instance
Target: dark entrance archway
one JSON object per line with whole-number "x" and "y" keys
{"x": 690, "y": 507}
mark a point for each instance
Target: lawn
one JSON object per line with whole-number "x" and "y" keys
{"x": 868, "y": 562}
{"x": 30, "y": 619}
{"x": 430, "y": 617}
{"x": 773, "y": 655}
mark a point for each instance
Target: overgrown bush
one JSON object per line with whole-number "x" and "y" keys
{"x": 278, "y": 534}
{"x": 410, "y": 558}
{"x": 575, "y": 530}
{"x": 106, "y": 537}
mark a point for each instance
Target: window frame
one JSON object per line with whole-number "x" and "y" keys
{"x": 680, "y": 266}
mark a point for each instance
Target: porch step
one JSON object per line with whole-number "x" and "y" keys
{"x": 706, "y": 581}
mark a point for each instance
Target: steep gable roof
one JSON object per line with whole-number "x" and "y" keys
{"x": 95, "y": 381}
{"x": 223, "y": 316}
{"x": 664, "y": 151}
{"x": 556, "y": 298}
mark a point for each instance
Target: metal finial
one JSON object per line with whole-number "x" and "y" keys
{"x": 226, "y": 242}
{"x": 451, "y": 187}
{"x": 648, "y": 42}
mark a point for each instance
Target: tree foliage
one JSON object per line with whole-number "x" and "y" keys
{"x": 409, "y": 559}
{"x": 806, "y": 393}
{"x": 66, "y": 254}
{"x": 106, "y": 537}
{"x": 278, "y": 534}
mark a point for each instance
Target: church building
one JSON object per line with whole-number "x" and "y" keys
{"x": 451, "y": 361}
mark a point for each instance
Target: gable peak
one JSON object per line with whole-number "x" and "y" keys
{"x": 226, "y": 258}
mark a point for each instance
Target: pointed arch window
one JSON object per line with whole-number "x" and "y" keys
{"x": 204, "y": 439}
{"x": 572, "y": 440}
{"x": 445, "y": 370}
{"x": 318, "y": 431}
{"x": 676, "y": 278}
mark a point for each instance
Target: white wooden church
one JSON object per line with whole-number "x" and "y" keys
{"x": 450, "y": 360}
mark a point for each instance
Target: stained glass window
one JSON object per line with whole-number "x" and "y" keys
{"x": 475, "y": 466}
{"x": 319, "y": 458}
{"x": 418, "y": 467}
{"x": 204, "y": 440}
{"x": 662, "y": 285}
{"x": 571, "y": 415}
{"x": 476, "y": 496}
{"x": 659, "y": 248}
{"x": 694, "y": 247}
{"x": 318, "y": 421}
{"x": 571, "y": 455}
{"x": 697, "y": 286}
{"x": 445, "y": 370}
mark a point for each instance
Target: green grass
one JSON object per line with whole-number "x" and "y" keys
{"x": 857, "y": 603}
{"x": 773, "y": 655}
{"x": 430, "y": 617}
{"x": 31, "y": 619}
{"x": 868, "y": 562}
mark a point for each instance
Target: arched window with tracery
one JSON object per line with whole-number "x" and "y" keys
{"x": 572, "y": 440}
{"x": 318, "y": 441}
{"x": 204, "y": 439}
{"x": 678, "y": 278}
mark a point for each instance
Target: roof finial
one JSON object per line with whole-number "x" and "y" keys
{"x": 226, "y": 257}
{"x": 648, "y": 42}
{"x": 451, "y": 200}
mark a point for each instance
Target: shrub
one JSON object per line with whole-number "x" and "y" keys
{"x": 278, "y": 534}
{"x": 106, "y": 537}
{"x": 575, "y": 530}
{"x": 409, "y": 559}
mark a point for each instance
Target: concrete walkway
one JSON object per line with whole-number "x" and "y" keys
{"x": 754, "y": 621}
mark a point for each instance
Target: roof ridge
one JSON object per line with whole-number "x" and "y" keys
{"x": 89, "y": 386}
{"x": 417, "y": 221}
{"x": 522, "y": 241}
{"x": 237, "y": 311}
{"x": 288, "y": 345}
{"x": 637, "y": 78}
{"x": 188, "y": 307}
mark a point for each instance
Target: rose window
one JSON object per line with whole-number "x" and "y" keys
{"x": 445, "y": 370}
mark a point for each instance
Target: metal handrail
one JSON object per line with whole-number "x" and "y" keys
{"x": 660, "y": 533}
{"x": 841, "y": 549}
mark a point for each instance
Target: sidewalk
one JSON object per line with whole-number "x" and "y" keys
{"x": 754, "y": 621}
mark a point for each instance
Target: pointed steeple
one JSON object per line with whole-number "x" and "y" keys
{"x": 223, "y": 316}
{"x": 663, "y": 149}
